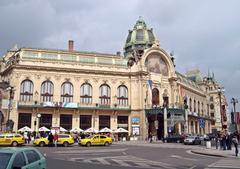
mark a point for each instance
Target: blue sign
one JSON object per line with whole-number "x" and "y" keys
{"x": 135, "y": 120}
{"x": 201, "y": 123}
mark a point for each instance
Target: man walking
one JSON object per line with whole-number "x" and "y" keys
{"x": 235, "y": 142}
{"x": 50, "y": 139}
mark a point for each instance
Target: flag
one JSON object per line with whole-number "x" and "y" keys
{"x": 149, "y": 90}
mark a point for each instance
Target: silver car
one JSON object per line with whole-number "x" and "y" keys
{"x": 21, "y": 158}
{"x": 194, "y": 140}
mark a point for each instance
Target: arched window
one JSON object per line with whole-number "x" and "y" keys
{"x": 105, "y": 95}
{"x": 26, "y": 91}
{"x": 47, "y": 91}
{"x": 155, "y": 96}
{"x": 122, "y": 95}
{"x": 67, "y": 92}
{"x": 190, "y": 105}
{"x": 86, "y": 93}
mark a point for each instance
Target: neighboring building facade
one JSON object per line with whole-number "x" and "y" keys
{"x": 140, "y": 91}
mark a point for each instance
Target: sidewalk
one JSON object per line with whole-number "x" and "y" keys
{"x": 215, "y": 152}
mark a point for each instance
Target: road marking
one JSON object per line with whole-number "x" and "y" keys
{"x": 193, "y": 167}
{"x": 89, "y": 151}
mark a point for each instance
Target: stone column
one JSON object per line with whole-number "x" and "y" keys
{"x": 186, "y": 126}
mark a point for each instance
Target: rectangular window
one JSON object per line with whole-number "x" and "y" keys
{"x": 104, "y": 121}
{"x": 122, "y": 122}
{"x": 66, "y": 121}
{"x": 24, "y": 119}
{"x": 45, "y": 120}
{"x": 85, "y": 121}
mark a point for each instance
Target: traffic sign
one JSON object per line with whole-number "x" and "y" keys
{"x": 201, "y": 123}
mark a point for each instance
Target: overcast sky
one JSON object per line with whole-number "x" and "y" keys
{"x": 203, "y": 34}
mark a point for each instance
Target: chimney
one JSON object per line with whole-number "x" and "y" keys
{"x": 118, "y": 53}
{"x": 70, "y": 45}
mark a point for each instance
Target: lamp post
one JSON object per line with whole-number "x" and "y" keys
{"x": 38, "y": 120}
{"x": 220, "y": 90}
{"x": 10, "y": 122}
{"x": 234, "y": 101}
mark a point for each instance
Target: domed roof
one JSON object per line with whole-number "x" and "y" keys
{"x": 139, "y": 38}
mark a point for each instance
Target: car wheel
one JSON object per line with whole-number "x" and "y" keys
{"x": 88, "y": 144}
{"x": 106, "y": 144}
{"x": 14, "y": 144}
{"x": 65, "y": 144}
{"x": 41, "y": 144}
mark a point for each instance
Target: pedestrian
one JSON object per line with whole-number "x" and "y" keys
{"x": 55, "y": 137}
{"x": 235, "y": 142}
{"x": 29, "y": 137}
{"x": 50, "y": 140}
{"x": 25, "y": 135}
{"x": 216, "y": 141}
{"x": 150, "y": 137}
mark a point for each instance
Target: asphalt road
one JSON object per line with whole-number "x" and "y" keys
{"x": 120, "y": 156}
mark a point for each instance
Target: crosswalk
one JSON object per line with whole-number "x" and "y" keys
{"x": 106, "y": 157}
{"x": 226, "y": 164}
{"x": 159, "y": 145}
{"x": 126, "y": 161}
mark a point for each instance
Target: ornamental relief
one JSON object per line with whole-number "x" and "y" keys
{"x": 95, "y": 80}
{"x": 57, "y": 77}
{"x": 47, "y": 77}
{"x": 17, "y": 75}
{"x": 77, "y": 79}
{"x": 37, "y": 76}
{"x": 114, "y": 81}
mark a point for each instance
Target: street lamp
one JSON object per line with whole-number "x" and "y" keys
{"x": 234, "y": 101}
{"x": 38, "y": 117}
{"x": 220, "y": 91}
{"x": 10, "y": 122}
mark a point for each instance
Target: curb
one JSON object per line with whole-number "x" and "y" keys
{"x": 208, "y": 154}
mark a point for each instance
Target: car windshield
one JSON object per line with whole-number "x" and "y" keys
{"x": 91, "y": 136}
{"x": 4, "y": 159}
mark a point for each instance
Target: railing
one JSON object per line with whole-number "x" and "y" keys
{"x": 71, "y": 105}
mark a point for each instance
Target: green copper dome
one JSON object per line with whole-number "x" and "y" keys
{"x": 139, "y": 38}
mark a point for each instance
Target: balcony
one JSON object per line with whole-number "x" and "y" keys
{"x": 71, "y": 105}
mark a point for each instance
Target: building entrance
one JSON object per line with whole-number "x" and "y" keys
{"x": 156, "y": 125}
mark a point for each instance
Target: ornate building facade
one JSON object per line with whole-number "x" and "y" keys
{"x": 140, "y": 91}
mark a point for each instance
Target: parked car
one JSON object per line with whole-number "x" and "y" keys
{"x": 96, "y": 140}
{"x": 21, "y": 158}
{"x": 211, "y": 136}
{"x": 174, "y": 139}
{"x": 194, "y": 140}
{"x": 63, "y": 139}
{"x": 11, "y": 139}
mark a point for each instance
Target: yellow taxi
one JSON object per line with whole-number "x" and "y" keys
{"x": 11, "y": 139}
{"x": 96, "y": 140}
{"x": 63, "y": 139}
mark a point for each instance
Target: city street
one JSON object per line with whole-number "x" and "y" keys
{"x": 136, "y": 155}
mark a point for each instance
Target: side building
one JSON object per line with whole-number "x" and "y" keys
{"x": 140, "y": 91}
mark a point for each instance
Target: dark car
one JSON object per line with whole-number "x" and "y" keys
{"x": 174, "y": 139}
{"x": 211, "y": 136}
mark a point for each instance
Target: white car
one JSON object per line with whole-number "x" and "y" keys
{"x": 192, "y": 140}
